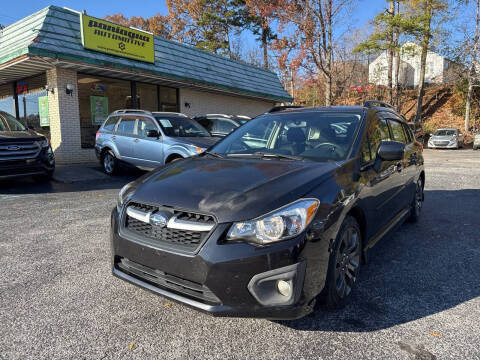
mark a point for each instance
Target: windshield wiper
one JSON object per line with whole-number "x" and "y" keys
{"x": 214, "y": 154}
{"x": 260, "y": 155}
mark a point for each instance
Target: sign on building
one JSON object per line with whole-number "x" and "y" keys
{"x": 110, "y": 38}
{"x": 98, "y": 109}
{"x": 43, "y": 111}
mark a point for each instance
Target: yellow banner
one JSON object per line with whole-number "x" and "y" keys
{"x": 107, "y": 37}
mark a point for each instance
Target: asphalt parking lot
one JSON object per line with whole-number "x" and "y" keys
{"x": 418, "y": 298}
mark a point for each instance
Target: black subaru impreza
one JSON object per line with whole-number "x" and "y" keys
{"x": 275, "y": 218}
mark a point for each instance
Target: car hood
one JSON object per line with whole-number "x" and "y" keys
{"x": 444, "y": 138}
{"x": 16, "y": 136}
{"x": 204, "y": 142}
{"x": 231, "y": 189}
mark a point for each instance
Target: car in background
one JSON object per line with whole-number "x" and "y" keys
{"x": 220, "y": 125}
{"x": 275, "y": 218}
{"x": 23, "y": 152}
{"x": 446, "y": 139}
{"x": 146, "y": 140}
{"x": 476, "y": 141}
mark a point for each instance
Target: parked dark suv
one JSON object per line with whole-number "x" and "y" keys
{"x": 276, "y": 217}
{"x": 23, "y": 152}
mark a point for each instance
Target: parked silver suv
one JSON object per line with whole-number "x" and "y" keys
{"x": 148, "y": 139}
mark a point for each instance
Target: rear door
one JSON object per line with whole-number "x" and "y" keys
{"x": 149, "y": 151}
{"x": 125, "y": 137}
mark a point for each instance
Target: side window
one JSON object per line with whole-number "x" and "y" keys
{"x": 144, "y": 125}
{"x": 398, "y": 133}
{"x": 110, "y": 123}
{"x": 408, "y": 133}
{"x": 224, "y": 126}
{"x": 126, "y": 126}
{"x": 378, "y": 133}
{"x": 206, "y": 123}
{"x": 366, "y": 155}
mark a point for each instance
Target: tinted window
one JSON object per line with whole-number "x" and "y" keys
{"x": 144, "y": 125}
{"x": 179, "y": 126}
{"x": 126, "y": 126}
{"x": 206, "y": 123}
{"x": 224, "y": 126}
{"x": 110, "y": 123}
{"x": 408, "y": 132}
{"x": 398, "y": 133}
{"x": 318, "y": 136}
{"x": 9, "y": 123}
{"x": 377, "y": 133}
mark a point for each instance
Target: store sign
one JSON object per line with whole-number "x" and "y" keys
{"x": 43, "y": 111}
{"x": 98, "y": 109}
{"x": 113, "y": 39}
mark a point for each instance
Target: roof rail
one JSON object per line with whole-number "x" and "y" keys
{"x": 283, "y": 107}
{"x": 377, "y": 103}
{"x": 126, "y": 111}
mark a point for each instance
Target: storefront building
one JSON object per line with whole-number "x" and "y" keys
{"x": 63, "y": 72}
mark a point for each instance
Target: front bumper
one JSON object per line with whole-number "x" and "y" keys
{"x": 432, "y": 145}
{"x": 239, "y": 278}
{"x": 43, "y": 164}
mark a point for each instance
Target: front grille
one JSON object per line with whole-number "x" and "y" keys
{"x": 441, "y": 143}
{"x": 19, "y": 151}
{"x": 167, "y": 281}
{"x": 184, "y": 240}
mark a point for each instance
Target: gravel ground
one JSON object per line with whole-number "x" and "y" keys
{"x": 419, "y": 296}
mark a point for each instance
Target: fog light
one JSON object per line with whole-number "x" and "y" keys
{"x": 284, "y": 288}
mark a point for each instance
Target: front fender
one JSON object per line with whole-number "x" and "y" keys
{"x": 111, "y": 145}
{"x": 178, "y": 150}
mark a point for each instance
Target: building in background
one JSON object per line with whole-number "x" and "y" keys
{"x": 62, "y": 72}
{"x": 439, "y": 70}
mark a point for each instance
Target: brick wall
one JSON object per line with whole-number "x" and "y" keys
{"x": 202, "y": 102}
{"x": 65, "y": 118}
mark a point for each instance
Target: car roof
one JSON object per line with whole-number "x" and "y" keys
{"x": 156, "y": 113}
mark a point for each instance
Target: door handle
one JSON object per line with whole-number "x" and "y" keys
{"x": 136, "y": 141}
{"x": 114, "y": 137}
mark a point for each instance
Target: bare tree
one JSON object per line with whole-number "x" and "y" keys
{"x": 473, "y": 67}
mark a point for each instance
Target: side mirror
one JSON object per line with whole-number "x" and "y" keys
{"x": 391, "y": 150}
{"x": 153, "y": 133}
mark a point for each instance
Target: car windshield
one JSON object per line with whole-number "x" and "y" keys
{"x": 9, "y": 123}
{"x": 179, "y": 126}
{"x": 444, "y": 132}
{"x": 316, "y": 135}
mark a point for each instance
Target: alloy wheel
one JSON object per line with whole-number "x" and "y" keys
{"x": 347, "y": 262}
{"x": 418, "y": 198}
{"x": 108, "y": 163}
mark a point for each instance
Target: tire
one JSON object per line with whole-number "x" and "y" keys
{"x": 109, "y": 163}
{"x": 44, "y": 178}
{"x": 343, "y": 265}
{"x": 417, "y": 203}
{"x": 475, "y": 148}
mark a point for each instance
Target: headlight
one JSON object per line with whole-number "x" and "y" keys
{"x": 43, "y": 143}
{"x": 281, "y": 224}
{"x": 123, "y": 194}
{"x": 196, "y": 149}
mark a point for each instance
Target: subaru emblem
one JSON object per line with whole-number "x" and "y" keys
{"x": 159, "y": 219}
{"x": 13, "y": 148}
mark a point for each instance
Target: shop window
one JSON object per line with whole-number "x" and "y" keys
{"x": 7, "y": 101}
{"x": 33, "y": 104}
{"x": 168, "y": 99}
{"x": 147, "y": 98}
{"x": 98, "y": 96}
